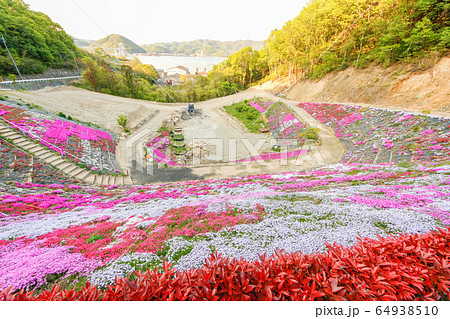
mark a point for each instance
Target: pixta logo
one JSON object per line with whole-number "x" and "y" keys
{"x": 228, "y": 152}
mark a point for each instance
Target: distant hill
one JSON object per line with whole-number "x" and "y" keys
{"x": 82, "y": 43}
{"x": 205, "y": 47}
{"x": 107, "y": 42}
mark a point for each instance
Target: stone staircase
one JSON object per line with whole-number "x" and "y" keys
{"x": 58, "y": 161}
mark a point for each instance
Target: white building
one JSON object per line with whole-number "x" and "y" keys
{"x": 178, "y": 70}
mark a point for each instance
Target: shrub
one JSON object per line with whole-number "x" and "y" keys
{"x": 122, "y": 120}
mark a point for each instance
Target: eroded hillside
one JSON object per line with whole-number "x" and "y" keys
{"x": 419, "y": 87}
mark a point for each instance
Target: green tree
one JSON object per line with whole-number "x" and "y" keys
{"x": 35, "y": 41}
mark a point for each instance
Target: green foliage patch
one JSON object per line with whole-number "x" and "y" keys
{"x": 34, "y": 40}
{"x": 248, "y": 115}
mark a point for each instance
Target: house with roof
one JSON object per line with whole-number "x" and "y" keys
{"x": 180, "y": 70}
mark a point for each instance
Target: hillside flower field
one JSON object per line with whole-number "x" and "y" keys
{"x": 372, "y": 135}
{"x": 82, "y": 144}
{"x": 272, "y": 234}
{"x": 80, "y": 234}
{"x": 18, "y": 166}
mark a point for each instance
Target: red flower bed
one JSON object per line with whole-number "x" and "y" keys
{"x": 408, "y": 267}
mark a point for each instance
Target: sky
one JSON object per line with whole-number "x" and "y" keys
{"x": 150, "y": 21}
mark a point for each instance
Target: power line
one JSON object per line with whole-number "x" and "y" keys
{"x": 4, "y": 42}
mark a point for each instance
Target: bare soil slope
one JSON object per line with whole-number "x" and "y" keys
{"x": 413, "y": 87}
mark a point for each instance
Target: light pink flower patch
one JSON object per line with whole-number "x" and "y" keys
{"x": 25, "y": 263}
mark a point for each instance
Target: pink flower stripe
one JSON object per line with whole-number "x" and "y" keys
{"x": 161, "y": 157}
{"x": 256, "y": 105}
{"x": 274, "y": 156}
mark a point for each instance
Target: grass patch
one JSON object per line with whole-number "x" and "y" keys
{"x": 94, "y": 237}
{"x": 247, "y": 115}
{"x": 292, "y": 198}
{"x": 181, "y": 252}
{"x": 405, "y": 164}
{"x": 387, "y": 227}
{"x": 310, "y": 134}
{"x": 354, "y": 172}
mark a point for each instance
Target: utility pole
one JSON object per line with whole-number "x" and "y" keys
{"x": 4, "y": 42}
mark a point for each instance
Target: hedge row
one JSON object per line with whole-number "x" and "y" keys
{"x": 406, "y": 267}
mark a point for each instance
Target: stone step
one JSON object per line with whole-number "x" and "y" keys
{"x": 64, "y": 165}
{"x": 35, "y": 149}
{"x": 90, "y": 178}
{"x": 57, "y": 162}
{"x": 52, "y": 158}
{"x": 128, "y": 180}
{"x": 46, "y": 155}
{"x": 76, "y": 171}
{"x": 119, "y": 180}
{"x": 12, "y": 135}
{"x": 41, "y": 152}
{"x": 82, "y": 175}
{"x": 69, "y": 169}
{"x": 112, "y": 180}
{"x": 98, "y": 179}
{"x": 26, "y": 144}
{"x": 103, "y": 179}
{"x": 9, "y": 132}
{"x": 17, "y": 140}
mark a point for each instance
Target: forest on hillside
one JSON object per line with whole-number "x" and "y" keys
{"x": 334, "y": 34}
{"x": 136, "y": 80}
{"x": 327, "y": 35}
{"x": 35, "y": 41}
{"x": 205, "y": 47}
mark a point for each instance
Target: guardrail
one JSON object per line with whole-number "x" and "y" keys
{"x": 40, "y": 80}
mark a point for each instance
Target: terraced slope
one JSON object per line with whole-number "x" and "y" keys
{"x": 71, "y": 234}
{"x": 64, "y": 145}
